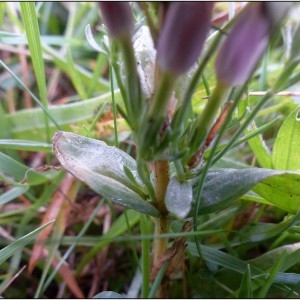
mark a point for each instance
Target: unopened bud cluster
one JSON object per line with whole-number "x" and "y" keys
{"x": 181, "y": 38}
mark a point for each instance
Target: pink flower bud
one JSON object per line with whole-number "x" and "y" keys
{"x": 247, "y": 41}
{"x": 243, "y": 47}
{"x": 183, "y": 34}
{"x": 117, "y": 17}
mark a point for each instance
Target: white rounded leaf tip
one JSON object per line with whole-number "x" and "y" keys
{"x": 179, "y": 197}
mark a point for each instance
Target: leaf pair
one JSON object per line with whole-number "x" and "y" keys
{"x": 101, "y": 167}
{"x": 106, "y": 170}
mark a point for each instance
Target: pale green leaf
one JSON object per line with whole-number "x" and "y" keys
{"x": 281, "y": 190}
{"x": 286, "y": 151}
{"x": 15, "y": 172}
{"x": 108, "y": 295}
{"x": 13, "y": 193}
{"x": 223, "y": 186}
{"x": 179, "y": 196}
{"x": 15, "y": 246}
{"x": 245, "y": 290}
{"x": 260, "y": 149}
{"x": 25, "y": 145}
{"x": 101, "y": 167}
{"x": 269, "y": 259}
{"x": 34, "y": 43}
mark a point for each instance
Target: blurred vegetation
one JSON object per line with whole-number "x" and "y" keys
{"x": 54, "y": 80}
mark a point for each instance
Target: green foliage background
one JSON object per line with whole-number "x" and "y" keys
{"x": 51, "y": 79}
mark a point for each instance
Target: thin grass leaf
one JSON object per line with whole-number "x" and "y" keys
{"x": 158, "y": 279}
{"x": 259, "y": 147}
{"x": 33, "y": 36}
{"x": 144, "y": 225}
{"x": 25, "y": 145}
{"x": 15, "y": 246}
{"x": 58, "y": 207}
{"x": 13, "y": 194}
{"x": 118, "y": 228}
{"x": 17, "y": 173}
{"x": 72, "y": 246}
{"x": 43, "y": 107}
{"x": 75, "y": 76}
{"x": 112, "y": 90}
{"x": 263, "y": 292}
{"x": 245, "y": 290}
{"x": 264, "y": 231}
{"x": 230, "y": 262}
{"x": 29, "y": 123}
{"x": 267, "y": 260}
{"x": 85, "y": 75}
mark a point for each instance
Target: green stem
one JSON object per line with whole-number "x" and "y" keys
{"x": 111, "y": 78}
{"x": 150, "y": 129}
{"x": 162, "y": 96}
{"x": 162, "y": 177}
{"x": 134, "y": 96}
{"x": 206, "y": 119}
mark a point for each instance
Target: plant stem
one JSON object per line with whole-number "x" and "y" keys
{"x": 156, "y": 116}
{"x": 162, "y": 176}
{"x": 162, "y": 224}
{"x": 134, "y": 102}
{"x": 205, "y": 120}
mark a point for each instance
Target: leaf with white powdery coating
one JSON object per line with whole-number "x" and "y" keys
{"x": 223, "y": 186}
{"x": 179, "y": 197}
{"x": 101, "y": 168}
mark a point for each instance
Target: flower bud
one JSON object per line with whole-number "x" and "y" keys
{"x": 182, "y": 36}
{"x": 243, "y": 47}
{"x": 117, "y": 17}
{"x": 247, "y": 41}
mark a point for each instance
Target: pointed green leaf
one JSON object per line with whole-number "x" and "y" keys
{"x": 230, "y": 262}
{"x": 245, "y": 290}
{"x": 281, "y": 190}
{"x": 270, "y": 279}
{"x": 24, "y": 145}
{"x": 15, "y": 246}
{"x": 13, "y": 194}
{"x": 226, "y": 185}
{"x": 13, "y": 171}
{"x": 286, "y": 152}
{"x": 223, "y": 186}
{"x": 101, "y": 167}
{"x": 260, "y": 149}
{"x": 269, "y": 259}
{"x": 264, "y": 231}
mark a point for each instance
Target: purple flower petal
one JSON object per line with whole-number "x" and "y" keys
{"x": 117, "y": 16}
{"x": 244, "y": 46}
{"x": 183, "y": 34}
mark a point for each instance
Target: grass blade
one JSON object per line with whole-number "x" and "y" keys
{"x": 33, "y": 36}
{"x": 269, "y": 280}
{"x": 9, "y": 250}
